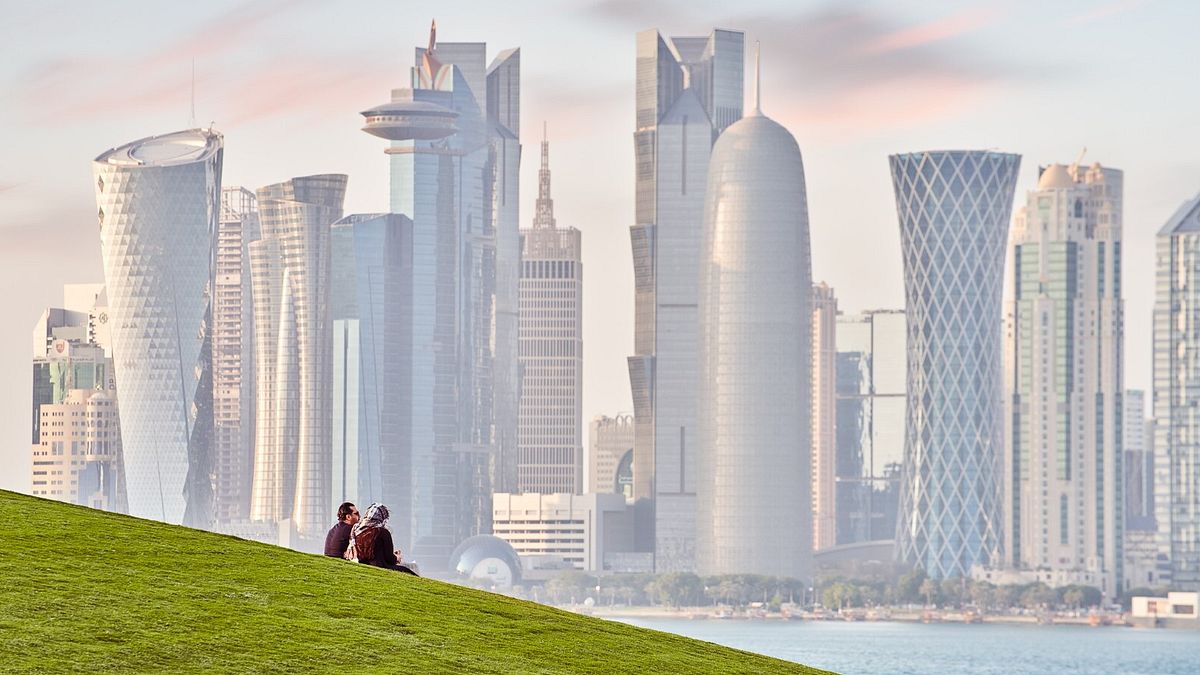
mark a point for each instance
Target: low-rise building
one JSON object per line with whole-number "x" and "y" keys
{"x": 578, "y": 529}
{"x": 1175, "y": 606}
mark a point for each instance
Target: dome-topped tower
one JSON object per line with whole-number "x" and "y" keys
{"x": 754, "y": 512}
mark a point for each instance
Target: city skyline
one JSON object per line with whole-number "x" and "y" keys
{"x": 1160, "y": 183}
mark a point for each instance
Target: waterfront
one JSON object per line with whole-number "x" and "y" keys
{"x": 916, "y": 649}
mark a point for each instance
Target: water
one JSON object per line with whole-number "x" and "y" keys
{"x": 911, "y": 648}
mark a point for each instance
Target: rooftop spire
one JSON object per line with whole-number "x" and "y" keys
{"x": 544, "y": 210}
{"x": 432, "y": 65}
{"x": 757, "y": 79}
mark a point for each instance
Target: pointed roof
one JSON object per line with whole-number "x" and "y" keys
{"x": 1185, "y": 220}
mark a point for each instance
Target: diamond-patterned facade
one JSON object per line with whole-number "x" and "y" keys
{"x": 157, "y": 203}
{"x": 954, "y": 210}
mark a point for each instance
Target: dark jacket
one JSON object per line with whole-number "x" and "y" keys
{"x": 338, "y": 540}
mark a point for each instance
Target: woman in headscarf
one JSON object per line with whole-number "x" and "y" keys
{"x": 373, "y": 542}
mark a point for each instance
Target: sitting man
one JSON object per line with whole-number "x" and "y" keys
{"x": 338, "y": 539}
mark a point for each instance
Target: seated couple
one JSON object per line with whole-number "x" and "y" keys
{"x": 367, "y": 541}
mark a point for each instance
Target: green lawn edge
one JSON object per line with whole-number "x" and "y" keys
{"x": 85, "y": 590}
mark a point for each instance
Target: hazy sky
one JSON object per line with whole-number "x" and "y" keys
{"x": 285, "y": 81}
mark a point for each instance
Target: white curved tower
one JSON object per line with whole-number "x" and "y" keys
{"x": 753, "y": 505}
{"x": 158, "y": 201}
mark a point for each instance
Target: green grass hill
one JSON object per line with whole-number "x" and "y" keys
{"x": 83, "y": 590}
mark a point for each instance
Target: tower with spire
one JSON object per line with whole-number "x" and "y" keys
{"x": 549, "y": 433}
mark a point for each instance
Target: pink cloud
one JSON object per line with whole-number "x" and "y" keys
{"x": 934, "y": 31}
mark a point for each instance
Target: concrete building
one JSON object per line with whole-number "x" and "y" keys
{"x": 754, "y": 479}
{"x": 550, "y": 455}
{"x": 1176, "y": 605}
{"x": 578, "y": 529}
{"x": 371, "y": 308}
{"x": 824, "y": 416}
{"x": 610, "y": 456}
{"x": 455, "y": 153}
{"x": 1177, "y": 394}
{"x": 871, "y": 402}
{"x": 77, "y": 459}
{"x": 290, "y": 266}
{"x": 954, "y": 209}
{"x": 233, "y": 356}
{"x": 158, "y": 203}
{"x": 1064, "y": 380}
{"x": 689, "y": 89}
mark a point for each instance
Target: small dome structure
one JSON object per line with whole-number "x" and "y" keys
{"x": 1055, "y": 176}
{"x": 485, "y": 556}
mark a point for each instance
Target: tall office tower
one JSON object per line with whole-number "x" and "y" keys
{"x": 289, "y": 269}
{"x": 754, "y": 492}
{"x": 158, "y": 203}
{"x": 1177, "y": 395}
{"x": 370, "y": 304}
{"x": 454, "y": 161}
{"x": 610, "y": 455}
{"x": 78, "y": 456}
{"x": 953, "y": 208}
{"x": 550, "y": 458}
{"x": 689, "y": 89}
{"x": 871, "y": 404}
{"x": 824, "y": 397}
{"x": 233, "y": 356}
{"x": 1063, "y": 381}
{"x": 501, "y": 199}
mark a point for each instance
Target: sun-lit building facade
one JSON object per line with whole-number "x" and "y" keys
{"x": 753, "y": 482}
{"x": 158, "y": 203}
{"x": 1063, "y": 372}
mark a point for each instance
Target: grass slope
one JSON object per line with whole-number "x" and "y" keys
{"x": 87, "y": 590}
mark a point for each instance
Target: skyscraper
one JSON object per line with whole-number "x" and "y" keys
{"x": 689, "y": 89}
{"x": 290, "y": 267}
{"x": 233, "y": 355}
{"x": 753, "y": 501}
{"x": 1177, "y": 395}
{"x": 824, "y": 365}
{"x": 550, "y": 458}
{"x": 953, "y": 208}
{"x": 454, "y": 169}
{"x": 871, "y": 404}
{"x": 158, "y": 202}
{"x": 370, "y": 304}
{"x": 1063, "y": 378}
{"x": 78, "y": 457}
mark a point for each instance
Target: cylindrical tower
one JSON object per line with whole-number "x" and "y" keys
{"x": 954, "y": 208}
{"x": 158, "y": 203}
{"x": 754, "y": 512}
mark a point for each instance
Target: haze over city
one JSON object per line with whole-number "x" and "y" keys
{"x": 809, "y": 312}
{"x": 284, "y": 81}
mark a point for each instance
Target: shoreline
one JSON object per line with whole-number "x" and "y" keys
{"x": 890, "y": 616}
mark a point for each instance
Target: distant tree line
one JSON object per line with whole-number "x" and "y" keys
{"x": 684, "y": 589}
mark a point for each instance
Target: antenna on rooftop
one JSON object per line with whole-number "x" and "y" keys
{"x": 192, "y": 118}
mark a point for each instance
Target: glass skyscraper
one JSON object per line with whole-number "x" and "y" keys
{"x": 293, "y": 343}
{"x": 1177, "y": 395}
{"x": 689, "y": 89}
{"x": 954, "y": 208}
{"x": 455, "y": 155}
{"x": 1063, "y": 375}
{"x": 871, "y": 404}
{"x": 370, "y": 304}
{"x": 158, "y": 201}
